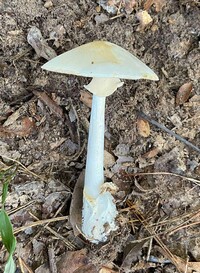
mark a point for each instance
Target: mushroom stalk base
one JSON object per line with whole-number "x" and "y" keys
{"x": 99, "y": 210}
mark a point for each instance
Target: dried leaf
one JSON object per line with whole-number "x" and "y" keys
{"x": 159, "y": 4}
{"x": 55, "y": 108}
{"x": 182, "y": 265}
{"x": 183, "y": 93}
{"x": 86, "y": 268}
{"x": 144, "y": 19}
{"x": 129, "y": 5}
{"x": 14, "y": 116}
{"x": 86, "y": 98}
{"x": 143, "y": 127}
{"x": 185, "y": 266}
{"x": 134, "y": 252}
{"x": 39, "y": 44}
{"x": 150, "y": 154}
{"x": 23, "y": 129}
{"x": 72, "y": 261}
{"x": 27, "y": 126}
{"x": 114, "y": 6}
{"x": 76, "y": 205}
{"x": 108, "y": 268}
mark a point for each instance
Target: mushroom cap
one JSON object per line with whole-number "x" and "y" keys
{"x": 100, "y": 59}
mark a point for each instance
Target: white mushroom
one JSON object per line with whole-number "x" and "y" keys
{"x": 106, "y": 63}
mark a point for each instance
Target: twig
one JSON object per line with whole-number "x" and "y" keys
{"x": 52, "y": 260}
{"x": 152, "y": 121}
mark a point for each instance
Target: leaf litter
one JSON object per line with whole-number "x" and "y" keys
{"x": 168, "y": 194}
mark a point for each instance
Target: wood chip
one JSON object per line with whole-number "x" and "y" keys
{"x": 48, "y": 4}
{"x": 143, "y": 127}
{"x": 86, "y": 98}
{"x": 109, "y": 159}
{"x": 150, "y": 154}
{"x": 144, "y": 18}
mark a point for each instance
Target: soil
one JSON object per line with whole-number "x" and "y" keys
{"x": 44, "y": 128}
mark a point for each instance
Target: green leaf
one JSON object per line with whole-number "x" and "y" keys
{"x": 4, "y": 192}
{"x": 10, "y": 266}
{"x": 6, "y": 230}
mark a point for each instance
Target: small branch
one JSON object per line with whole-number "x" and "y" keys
{"x": 152, "y": 121}
{"x": 52, "y": 260}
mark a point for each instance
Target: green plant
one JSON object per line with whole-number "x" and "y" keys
{"x": 6, "y": 228}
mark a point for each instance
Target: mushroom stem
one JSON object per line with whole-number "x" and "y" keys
{"x": 94, "y": 174}
{"x": 99, "y": 210}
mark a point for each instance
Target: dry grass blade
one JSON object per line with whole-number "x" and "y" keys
{"x": 184, "y": 266}
{"x": 69, "y": 244}
{"x": 21, "y": 207}
{"x": 165, "y": 249}
{"x": 23, "y": 266}
{"x": 183, "y": 226}
{"x": 57, "y": 212}
{"x": 22, "y": 166}
{"x": 195, "y": 181}
{"x": 175, "y": 219}
{"x": 39, "y": 222}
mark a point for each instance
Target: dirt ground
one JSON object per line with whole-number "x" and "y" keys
{"x": 44, "y": 127}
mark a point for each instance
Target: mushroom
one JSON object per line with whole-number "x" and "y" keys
{"x": 106, "y": 63}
